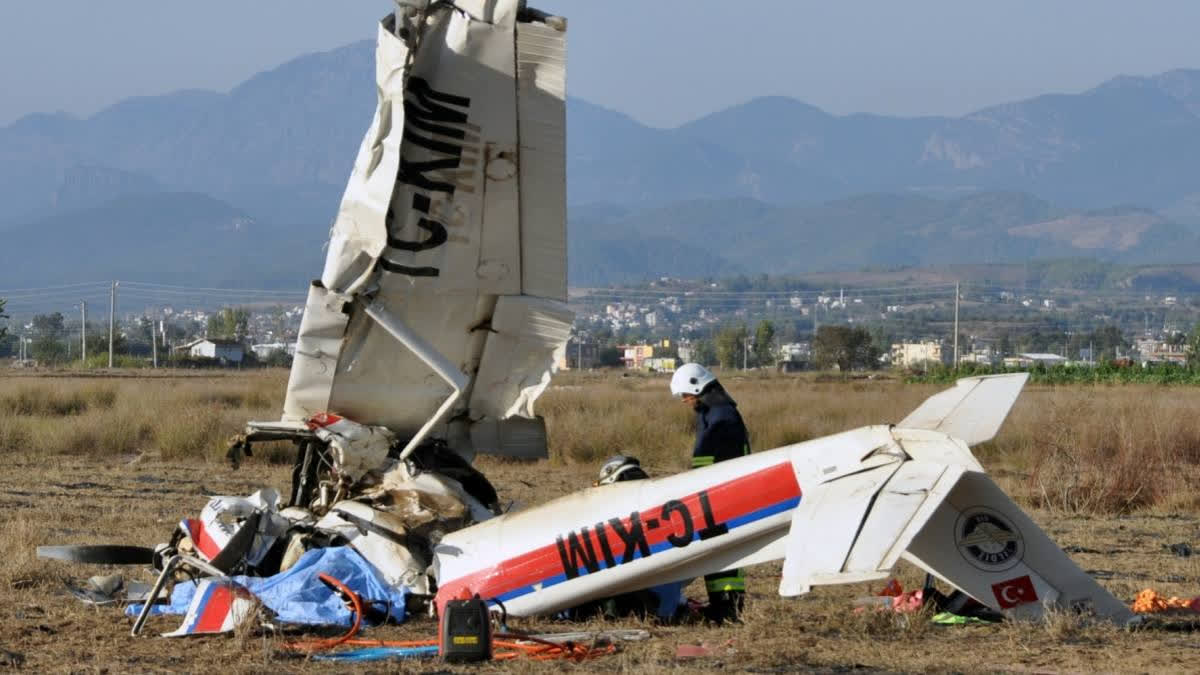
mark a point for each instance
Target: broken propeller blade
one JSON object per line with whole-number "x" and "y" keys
{"x": 102, "y": 554}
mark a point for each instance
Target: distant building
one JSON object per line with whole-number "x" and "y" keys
{"x": 914, "y": 354}
{"x": 221, "y": 349}
{"x": 634, "y": 356}
{"x": 984, "y": 357}
{"x": 1030, "y": 359}
{"x": 638, "y": 357}
{"x": 579, "y": 354}
{"x": 795, "y": 351}
{"x": 1152, "y": 352}
{"x": 793, "y": 357}
{"x": 660, "y": 364}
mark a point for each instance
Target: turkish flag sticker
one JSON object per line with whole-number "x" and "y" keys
{"x": 1014, "y": 592}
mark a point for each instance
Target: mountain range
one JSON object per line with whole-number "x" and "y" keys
{"x": 772, "y": 185}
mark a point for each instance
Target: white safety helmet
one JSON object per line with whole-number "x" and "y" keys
{"x": 621, "y": 467}
{"x": 691, "y": 378}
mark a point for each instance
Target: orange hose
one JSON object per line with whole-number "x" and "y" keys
{"x": 528, "y": 646}
{"x": 320, "y": 645}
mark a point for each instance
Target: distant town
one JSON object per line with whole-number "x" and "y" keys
{"x": 735, "y": 323}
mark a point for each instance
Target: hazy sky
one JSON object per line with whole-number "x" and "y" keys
{"x": 662, "y": 61}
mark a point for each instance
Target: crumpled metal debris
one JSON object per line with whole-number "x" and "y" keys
{"x": 355, "y": 448}
{"x": 295, "y": 596}
{"x": 229, "y": 522}
{"x": 102, "y": 591}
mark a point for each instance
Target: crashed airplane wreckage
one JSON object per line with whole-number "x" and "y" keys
{"x": 431, "y": 332}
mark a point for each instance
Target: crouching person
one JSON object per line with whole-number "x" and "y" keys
{"x": 665, "y": 602}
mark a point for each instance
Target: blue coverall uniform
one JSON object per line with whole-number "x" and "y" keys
{"x": 720, "y": 435}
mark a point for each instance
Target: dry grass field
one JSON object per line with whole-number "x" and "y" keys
{"x": 1107, "y": 471}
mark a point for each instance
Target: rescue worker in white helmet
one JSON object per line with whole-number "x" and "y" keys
{"x": 720, "y": 435}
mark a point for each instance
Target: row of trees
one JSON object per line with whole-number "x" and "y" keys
{"x": 735, "y": 346}
{"x": 833, "y": 346}
{"x": 51, "y": 341}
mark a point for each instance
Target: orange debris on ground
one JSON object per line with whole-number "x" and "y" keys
{"x": 1149, "y": 601}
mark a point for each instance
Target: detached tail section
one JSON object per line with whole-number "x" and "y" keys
{"x": 925, "y": 498}
{"x": 838, "y": 509}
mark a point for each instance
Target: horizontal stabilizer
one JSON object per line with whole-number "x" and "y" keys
{"x": 856, "y": 527}
{"x": 972, "y": 411}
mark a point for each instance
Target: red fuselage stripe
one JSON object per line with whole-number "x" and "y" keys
{"x": 727, "y": 501}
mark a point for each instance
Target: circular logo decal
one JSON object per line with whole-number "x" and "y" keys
{"x": 988, "y": 540}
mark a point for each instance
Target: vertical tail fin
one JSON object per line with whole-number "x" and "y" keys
{"x": 972, "y": 411}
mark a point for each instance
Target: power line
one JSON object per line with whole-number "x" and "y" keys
{"x": 54, "y": 288}
{"x": 202, "y": 288}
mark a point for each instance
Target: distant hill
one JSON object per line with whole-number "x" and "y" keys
{"x": 289, "y": 132}
{"x": 165, "y": 237}
{"x": 771, "y": 185}
{"x": 194, "y": 239}
{"x": 292, "y": 133}
{"x": 703, "y": 238}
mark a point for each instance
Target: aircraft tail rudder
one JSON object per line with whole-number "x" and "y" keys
{"x": 972, "y": 411}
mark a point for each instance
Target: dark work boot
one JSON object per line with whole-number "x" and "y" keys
{"x": 725, "y": 606}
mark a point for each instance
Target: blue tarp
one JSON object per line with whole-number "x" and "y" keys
{"x": 298, "y": 596}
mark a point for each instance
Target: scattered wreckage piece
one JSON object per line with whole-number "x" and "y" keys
{"x": 218, "y": 606}
{"x": 298, "y": 596}
{"x": 104, "y": 591}
{"x": 170, "y": 565}
{"x": 399, "y": 511}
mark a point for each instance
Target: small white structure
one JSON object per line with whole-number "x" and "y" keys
{"x": 266, "y": 349}
{"x": 214, "y": 348}
{"x": 1030, "y": 359}
{"x": 795, "y": 351}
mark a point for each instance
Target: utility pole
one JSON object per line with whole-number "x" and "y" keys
{"x": 112, "y": 314}
{"x": 956, "y": 325}
{"x": 83, "y": 332}
{"x": 154, "y": 343}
